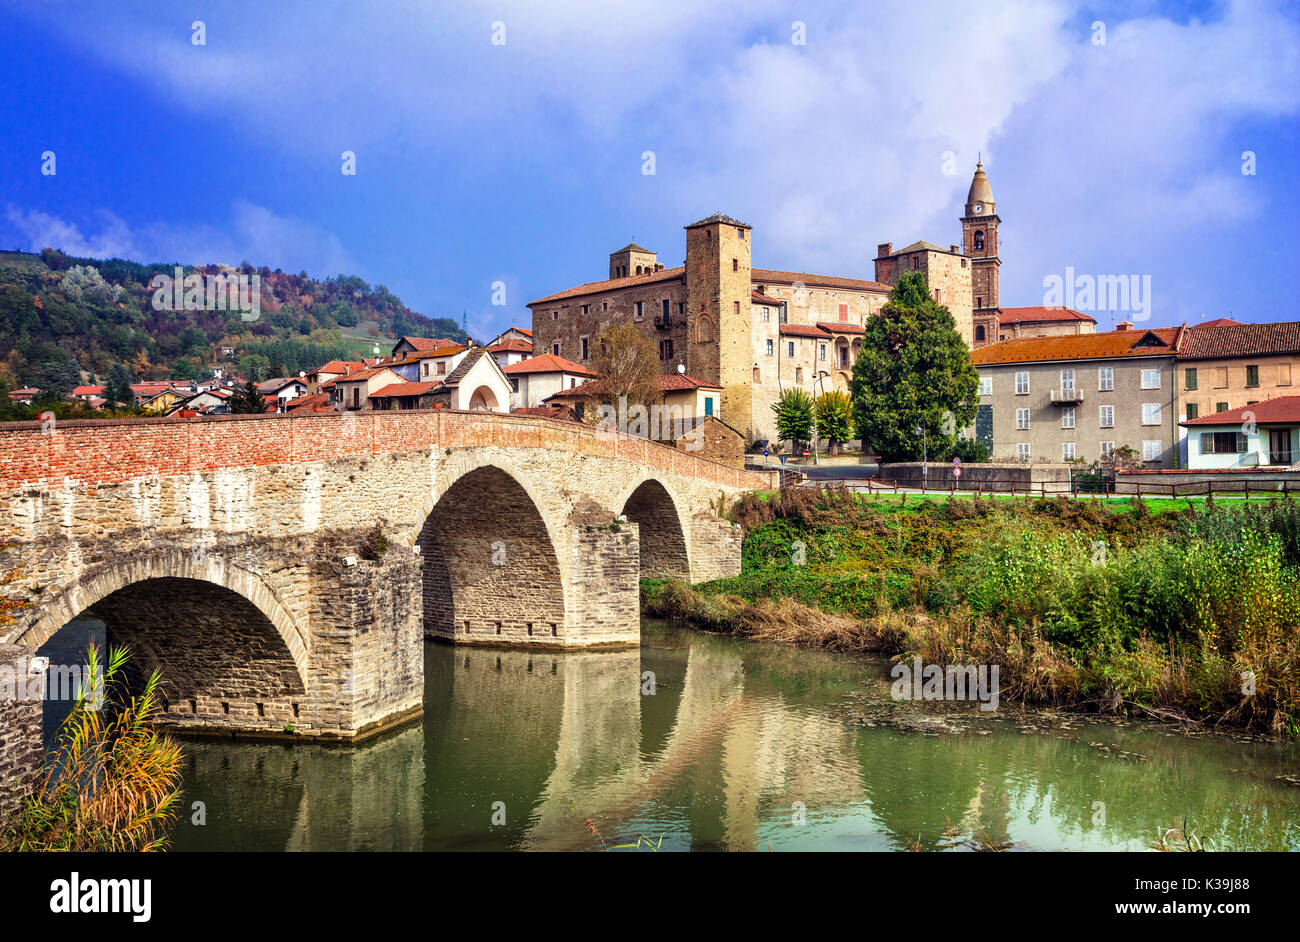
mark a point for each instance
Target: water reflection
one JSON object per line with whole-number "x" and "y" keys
{"x": 741, "y": 746}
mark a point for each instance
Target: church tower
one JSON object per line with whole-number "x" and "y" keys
{"x": 979, "y": 228}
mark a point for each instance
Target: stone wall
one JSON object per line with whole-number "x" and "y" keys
{"x": 21, "y": 749}
{"x": 1000, "y": 476}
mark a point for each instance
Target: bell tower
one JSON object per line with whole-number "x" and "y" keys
{"x": 979, "y": 227}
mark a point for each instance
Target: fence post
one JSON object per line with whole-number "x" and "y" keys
{"x": 1209, "y": 487}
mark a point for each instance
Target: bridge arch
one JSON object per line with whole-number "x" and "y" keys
{"x": 491, "y": 571}
{"x": 239, "y": 634}
{"x": 665, "y": 549}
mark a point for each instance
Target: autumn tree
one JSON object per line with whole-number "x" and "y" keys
{"x": 626, "y": 367}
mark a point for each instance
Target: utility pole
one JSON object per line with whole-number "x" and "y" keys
{"x": 925, "y": 467}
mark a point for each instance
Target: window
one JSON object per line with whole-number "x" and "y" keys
{"x": 708, "y": 405}
{"x": 1067, "y": 380}
{"x": 735, "y": 264}
{"x": 798, "y": 374}
{"x": 604, "y": 305}
{"x": 1189, "y": 378}
{"x": 844, "y": 312}
{"x": 1107, "y": 448}
{"x": 442, "y": 367}
{"x": 979, "y": 333}
{"x": 555, "y": 348}
{"x": 979, "y": 240}
{"x": 1022, "y": 419}
{"x": 555, "y": 315}
{"x": 1067, "y": 417}
{"x": 1221, "y": 377}
{"x": 756, "y": 376}
{"x": 1107, "y": 417}
{"x": 584, "y": 348}
{"x": 640, "y": 310}
{"x": 1220, "y": 407}
{"x": 986, "y": 385}
{"x": 1150, "y": 379}
{"x": 821, "y": 351}
{"x": 704, "y": 330}
{"x": 1223, "y": 443}
{"x": 1067, "y": 451}
{"x": 681, "y": 309}
{"x": 769, "y": 348}
{"x": 1150, "y": 451}
{"x": 1284, "y": 374}
{"x": 665, "y": 349}
{"x": 425, "y": 366}
{"x": 790, "y": 349}
{"x": 735, "y": 308}
{"x": 1252, "y": 376}
{"x": 667, "y": 311}
{"x": 1193, "y": 411}
{"x": 1022, "y": 451}
{"x": 766, "y": 314}
{"x": 740, "y": 233}
{"x": 1106, "y": 379}
{"x": 1022, "y": 383}
{"x": 979, "y": 302}
{"x": 1150, "y": 413}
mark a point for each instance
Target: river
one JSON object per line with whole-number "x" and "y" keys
{"x": 697, "y": 742}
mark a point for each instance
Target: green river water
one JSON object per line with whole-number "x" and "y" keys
{"x": 741, "y": 746}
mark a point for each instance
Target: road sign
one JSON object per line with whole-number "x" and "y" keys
{"x": 956, "y": 472}
{"x": 956, "y": 461}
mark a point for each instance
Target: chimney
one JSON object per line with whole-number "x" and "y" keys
{"x": 1124, "y": 325}
{"x": 955, "y": 249}
{"x": 884, "y": 248}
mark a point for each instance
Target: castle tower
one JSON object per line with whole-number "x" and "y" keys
{"x": 631, "y": 260}
{"x": 979, "y": 228}
{"x": 718, "y": 287}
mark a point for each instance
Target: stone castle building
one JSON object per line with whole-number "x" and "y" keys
{"x": 757, "y": 331}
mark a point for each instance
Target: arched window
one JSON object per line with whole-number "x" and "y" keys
{"x": 756, "y": 377}
{"x": 979, "y": 332}
{"x": 703, "y": 330}
{"x": 638, "y": 269}
{"x": 979, "y": 240}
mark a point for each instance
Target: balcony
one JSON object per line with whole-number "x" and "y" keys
{"x": 1067, "y": 397}
{"x": 664, "y": 322}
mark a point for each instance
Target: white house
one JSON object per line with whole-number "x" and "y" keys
{"x": 1261, "y": 435}
{"x": 538, "y": 378}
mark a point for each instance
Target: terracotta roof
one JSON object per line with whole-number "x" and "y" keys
{"x": 1238, "y": 340}
{"x": 364, "y": 374}
{"x": 920, "y": 245}
{"x": 513, "y": 345}
{"x": 88, "y": 390}
{"x": 804, "y": 330}
{"x": 668, "y": 382}
{"x": 1269, "y": 411}
{"x": 341, "y": 367}
{"x": 1219, "y": 322}
{"x": 316, "y": 402}
{"x": 760, "y": 275}
{"x": 1038, "y": 315}
{"x": 613, "y": 284}
{"x": 563, "y": 413}
{"x": 761, "y": 298}
{"x": 841, "y": 327}
{"x": 632, "y": 247}
{"x": 425, "y": 344}
{"x": 1113, "y": 343}
{"x": 405, "y": 389}
{"x": 547, "y": 363}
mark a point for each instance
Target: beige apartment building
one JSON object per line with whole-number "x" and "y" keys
{"x": 1080, "y": 396}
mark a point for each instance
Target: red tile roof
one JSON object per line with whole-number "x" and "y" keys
{"x": 426, "y": 344}
{"x": 316, "y": 402}
{"x": 668, "y": 382}
{"x": 88, "y": 390}
{"x": 760, "y": 298}
{"x": 1241, "y": 340}
{"x": 513, "y": 345}
{"x": 1113, "y": 343}
{"x": 341, "y": 367}
{"x": 804, "y": 330}
{"x": 364, "y": 374}
{"x": 1041, "y": 315}
{"x": 768, "y": 275}
{"x": 613, "y": 284}
{"x": 547, "y": 363}
{"x": 564, "y": 413}
{"x": 405, "y": 389}
{"x": 841, "y": 327}
{"x": 1270, "y": 411}
{"x": 1219, "y": 322}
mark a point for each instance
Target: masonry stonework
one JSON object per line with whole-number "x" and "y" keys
{"x": 21, "y": 748}
{"x": 332, "y": 545}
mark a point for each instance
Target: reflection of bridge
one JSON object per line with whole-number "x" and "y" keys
{"x": 282, "y": 571}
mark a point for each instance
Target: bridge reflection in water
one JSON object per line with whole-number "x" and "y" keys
{"x": 734, "y": 736}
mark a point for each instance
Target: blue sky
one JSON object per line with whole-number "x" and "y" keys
{"x": 522, "y": 162}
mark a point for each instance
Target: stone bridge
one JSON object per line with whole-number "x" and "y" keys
{"x": 283, "y": 571}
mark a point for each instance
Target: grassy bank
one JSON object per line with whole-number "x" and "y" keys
{"x": 1192, "y": 612}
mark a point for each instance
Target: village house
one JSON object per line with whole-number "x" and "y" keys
{"x": 330, "y": 371}
{"x": 511, "y": 351}
{"x": 534, "y": 380}
{"x": 1265, "y": 434}
{"x": 685, "y": 398}
{"x": 352, "y": 392}
{"x": 476, "y": 383}
{"x": 1017, "y": 322}
{"x": 283, "y": 389}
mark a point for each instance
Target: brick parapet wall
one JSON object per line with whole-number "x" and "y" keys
{"x": 110, "y": 451}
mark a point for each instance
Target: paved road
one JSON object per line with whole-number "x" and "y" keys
{"x": 832, "y": 472}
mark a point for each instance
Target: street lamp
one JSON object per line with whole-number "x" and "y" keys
{"x": 925, "y": 467}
